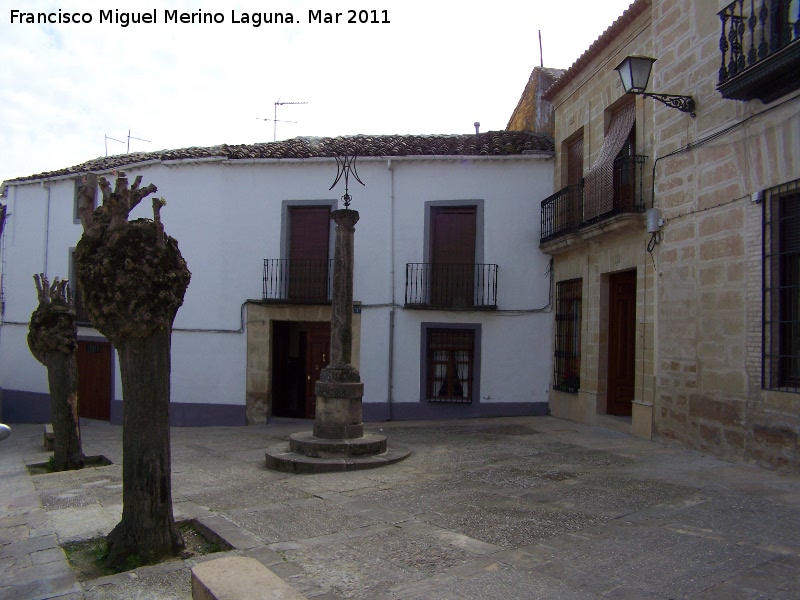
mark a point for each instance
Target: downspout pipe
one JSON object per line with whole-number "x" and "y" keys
{"x": 390, "y": 377}
{"x": 46, "y": 185}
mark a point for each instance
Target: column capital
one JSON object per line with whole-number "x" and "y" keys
{"x": 344, "y": 217}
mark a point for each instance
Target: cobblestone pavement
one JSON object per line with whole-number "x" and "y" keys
{"x": 530, "y": 507}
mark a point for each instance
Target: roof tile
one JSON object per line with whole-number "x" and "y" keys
{"x": 490, "y": 143}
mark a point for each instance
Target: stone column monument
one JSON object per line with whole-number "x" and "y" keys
{"x": 339, "y": 389}
{"x": 338, "y": 441}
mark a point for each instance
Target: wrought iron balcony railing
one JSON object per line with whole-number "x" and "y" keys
{"x": 574, "y": 207}
{"x": 297, "y": 280}
{"x": 760, "y": 46}
{"x": 560, "y": 212}
{"x": 448, "y": 285}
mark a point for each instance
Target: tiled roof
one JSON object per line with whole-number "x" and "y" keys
{"x": 609, "y": 35}
{"x": 490, "y": 143}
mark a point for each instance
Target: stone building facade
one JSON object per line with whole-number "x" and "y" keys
{"x": 712, "y": 351}
{"x": 598, "y": 245}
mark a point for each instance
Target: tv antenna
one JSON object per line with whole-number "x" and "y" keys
{"x": 275, "y": 119}
{"x": 108, "y": 137}
{"x": 130, "y": 137}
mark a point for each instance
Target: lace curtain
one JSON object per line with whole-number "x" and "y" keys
{"x": 451, "y": 377}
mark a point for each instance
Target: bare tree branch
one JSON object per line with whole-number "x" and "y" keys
{"x": 105, "y": 187}
{"x": 136, "y": 193}
{"x": 158, "y": 203}
{"x": 87, "y": 197}
{"x": 121, "y": 185}
{"x": 122, "y": 202}
{"x": 41, "y": 287}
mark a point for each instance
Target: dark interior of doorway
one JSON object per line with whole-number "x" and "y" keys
{"x": 300, "y": 350}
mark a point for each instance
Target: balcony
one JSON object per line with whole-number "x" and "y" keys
{"x": 303, "y": 281}
{"x": 464, "y": 286}
{"x": 560, "y": 212}
{"x": 574, "y": 208}
{"x": 621, "y": 193}
{"x": 760, "y": 46}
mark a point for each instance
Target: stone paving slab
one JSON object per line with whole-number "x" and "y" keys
{"x": 528, "y": 507}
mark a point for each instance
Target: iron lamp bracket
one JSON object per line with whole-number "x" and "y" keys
{"x": 682, "y": 103}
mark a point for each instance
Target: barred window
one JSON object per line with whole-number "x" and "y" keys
{"x": 567, "y": 363}
{"x": 781, "y": 287}
{"x": 450, "y": 357}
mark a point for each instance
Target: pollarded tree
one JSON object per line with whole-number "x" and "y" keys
{"x": 132, "y": 279}
{"x": 52, "y": 339}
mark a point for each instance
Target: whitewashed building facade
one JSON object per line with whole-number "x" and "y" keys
{"x": 452, "y": 292}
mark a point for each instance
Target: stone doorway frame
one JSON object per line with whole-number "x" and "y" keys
{"x": 260, "y": 315}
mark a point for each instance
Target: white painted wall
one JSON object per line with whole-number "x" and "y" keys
{"x": 226, "y": 216}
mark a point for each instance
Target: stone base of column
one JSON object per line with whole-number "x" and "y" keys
{"x": 307, "y": 453}
{"x": 338, "y": 442}
{"x": 282, "y": 458}
{"x": 338, "y": 411}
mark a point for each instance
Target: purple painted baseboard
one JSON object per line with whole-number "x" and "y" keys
{"x": 32, "y": 407}
{"x": 184, "y": 414}
{"x": 422, "y": 411}
{"x": 25, "y": 407}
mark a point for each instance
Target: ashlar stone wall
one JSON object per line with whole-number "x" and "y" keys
{"x": 709, "y": 394}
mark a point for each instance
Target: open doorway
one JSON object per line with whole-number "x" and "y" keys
{"x": 300, "y": 350}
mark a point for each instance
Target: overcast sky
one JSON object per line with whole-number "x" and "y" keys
{"x": 436, "y": 67}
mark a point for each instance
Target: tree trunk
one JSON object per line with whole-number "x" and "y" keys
{"x": 62, "y": 375}
{"x": 133, "y": 279}
{"x": 147, "y": 529}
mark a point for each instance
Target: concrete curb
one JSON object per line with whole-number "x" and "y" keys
{"x": 239, "y": 578}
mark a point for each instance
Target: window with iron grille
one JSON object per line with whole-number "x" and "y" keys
{"x": 450, "y": 365}
{"x": 781, "y": 287}
{"x": 567, "y": 363}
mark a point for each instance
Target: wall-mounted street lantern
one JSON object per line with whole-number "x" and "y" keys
{"x": 634, "y": 72}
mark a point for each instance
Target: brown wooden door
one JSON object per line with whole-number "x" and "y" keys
{"x": 318, "y": 352}
{"x": 309, "y": 229}
{"x": 575, "y": 162}
{"x": 621, "y": 342}
{"x": 569, "y": 214}
{"x": 94, "y": 380}
{"x": 453, "y": 255}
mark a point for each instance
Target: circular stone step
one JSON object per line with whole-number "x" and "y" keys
{"x": 281, "y": 458}
{"x": 310, "y": 445}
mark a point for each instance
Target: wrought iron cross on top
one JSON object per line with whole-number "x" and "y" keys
{"x": 346, "y": 165}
